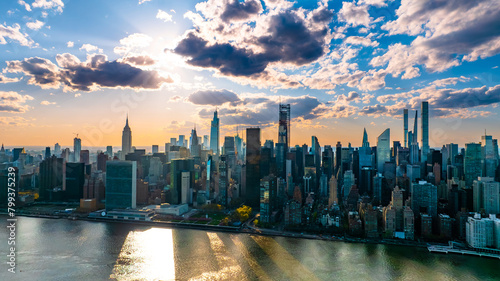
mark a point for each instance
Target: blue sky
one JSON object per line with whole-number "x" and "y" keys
{"x": 80, "y": 66}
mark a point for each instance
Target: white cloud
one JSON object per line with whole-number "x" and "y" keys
{"x": 35, "y": 25}
{"x": 357, "y": 40}
{"x": 143, "y": 1}
{"x": 47, "y": 102}
{"x": 90, "y": 48}
{"x": 13, "y": 33}
{"x": 132, "y": 43}
{"x": 164, "y": 16}
{"x": 70, "y": 44}
{"x": 57, "y": 5}
{"x": 354, "y": 15}
{"x": 13, "y": 102}
{"x": 77, "y": 95}
{"x": 26, "y": 5}
{"x": 444, "y": 31}
{"x": 4, "y": 79}
{"x": 450, "y": 81}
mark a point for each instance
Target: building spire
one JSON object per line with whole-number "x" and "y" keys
{"x": 126, "y": 124}
{"x": 3, "y": 150}
{"x": 365, "y": 139}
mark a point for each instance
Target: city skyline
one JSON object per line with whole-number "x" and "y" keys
{"x": 352, "y": 65}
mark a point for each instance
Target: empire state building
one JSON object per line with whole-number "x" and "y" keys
{"x": 126, "y": 140}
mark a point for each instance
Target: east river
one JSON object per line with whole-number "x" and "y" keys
{"x": 60, "y": 249}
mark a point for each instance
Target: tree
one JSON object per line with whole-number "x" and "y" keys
{"x": 243, "y": 213}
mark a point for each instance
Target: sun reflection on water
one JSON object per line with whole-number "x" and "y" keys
{"x": 146, "y": 255}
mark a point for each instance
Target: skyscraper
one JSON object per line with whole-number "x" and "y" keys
{"x": 57, "y": 149}
{"x": 126, "y": 140}
{"x": 47, "y": 152}
{"x": 52, "y": 172}
{"x": 490, "y": 161}
{"x": 284, "y": 125}
{"x": 253, "y": 167}
{"x": 472, "y": 162}
{"x": 77, "y": 147}
{"x": 365, "y": 139}
{"x": 413, "y": 140}
{"x": 383, "y": 149}
{"x": 109, "y": 151}
{"x": 121, "y": 184}
{"x": 424, "y": 198}
{"x": 405, "y": 125}
{"x": 214, "y": 135}
{"x": 425, "y": 131}
{"x": 195, "y": 146}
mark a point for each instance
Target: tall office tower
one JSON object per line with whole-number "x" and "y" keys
{"x": 284, "y": 125}
{"x": 173, "y": 141}
{"x": 495, "y": 149}
{"x": 268, "y": 194}
{"x": 338, "y": 156}
{"x": 109, "y": 151}
{"x": 425, "y": 131}
{"x": 397, "y": 203}
{"x": 223, "y": 180}
{"x": 316, "y": 151}
{"x": 365, "y": 139}
{"x": 52, "y": 171}
{"x": 230, "y": 152}
{"x": 409, "y": 223}
{"x": 413, "y": 139}
{"x": 490, "y": 162}
{"x": 85, "y": 156}
{"x": 181, "y": 141}
{"x": 57, "y": 149}
{"x": 405, "y": 125}
{"x": 452, "y": 149}
{"x": 126, "y": 140}
{"x": 214, "y": 135}
{"x": 424, "y": 198}
{"x": 206, "y": 142}
{"x": 121, "y": 184}
{"x": 383, "y": 149}
{"x": 238, "y": 142}
{"x": 102, "y": 158}
{"x": 472, "y": 162}
{"x": 77, "y": 147}
{"x": 348, "y": 183}
{"x": 75, "y": 178}
{"x": 195, "y": 146}
{"x": 182, "y": 178}
{"x": 47, "y": 152}
{"x": 280, "y": 158}
{"x": 486, "y": 195}
{"x": 154, "y": 148}
{"x": 253, "y": 167}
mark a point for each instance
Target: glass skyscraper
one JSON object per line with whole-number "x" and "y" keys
{"x": 214, "y": 135}
{"x": 383, "y": 149}
{"x": 121, "y": 184}
{"x": 425, "y": 131}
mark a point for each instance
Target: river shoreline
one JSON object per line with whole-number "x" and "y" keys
{"x": 246, "y": 229}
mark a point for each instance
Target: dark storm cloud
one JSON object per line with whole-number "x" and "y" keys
{"x": 224, "y": 57}
{"x": 466, "y": 98}
{"x": 236, "y": 10}
{"x": 322, "y": 15}
{"x": 289, "y": 40}
{"x": 96, "y": 72}
{"x": 213, "y": 97}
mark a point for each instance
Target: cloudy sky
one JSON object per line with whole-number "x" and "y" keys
{"x": 72, "y": 67}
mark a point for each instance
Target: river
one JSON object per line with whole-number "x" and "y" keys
{"x": 60, "y": 249}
